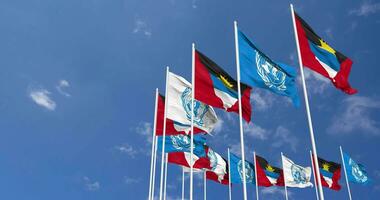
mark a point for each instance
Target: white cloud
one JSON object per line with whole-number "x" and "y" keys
{"x": 355, "y": 114}
{"x": 91, "y": 185}
{"x": 41, "y": 97}
{"x": 218, "y": 126}
{"x": 129, "y": 180}
{"x": 274, "y": 190}
{"x": 329, "y": 33}
{"x": 283, "y": 137}
{"x": 366, "y": 8}
{"x": 145, "y": 129}
{"x": 194, "y": 4}
{"x": 142, "y": 27}
{"x": 255, "y": 131}
{"x": 315, "y": 82}
{"x": 127, "y": 149}
{"x": 261, "y": 100}
{"x": 62, "y": 84}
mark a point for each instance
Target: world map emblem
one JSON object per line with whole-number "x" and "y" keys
{"x": 180, "y": 142}
{"x": 298, "y": 174}
{"x": 200, "y": 109}
{"x": 249, "y": 173}
{"x": 272, "y": 77}
{"x": 358, "y": 172}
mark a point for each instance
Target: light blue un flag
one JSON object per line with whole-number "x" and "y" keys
{"x": 181, "y": 143}
{"x": 236, "y": 165}
{"x": 258, "y": 70}
{"x": 355, "y": 172}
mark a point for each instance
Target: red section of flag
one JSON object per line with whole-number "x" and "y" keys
{"x": 309, "y": 60}
{"x": 170, "y": 129}
{"x": 204, "y": 91}
{"x": 335, "y": 181}
{"x": 212, "y": 176}
{"x": 280, "y": 180}
{"x": 179, "y": 158}
{"x": 262, "y": 179}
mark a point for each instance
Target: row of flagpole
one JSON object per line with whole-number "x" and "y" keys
{"x": 162, "y": 191}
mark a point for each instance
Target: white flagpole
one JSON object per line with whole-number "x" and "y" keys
{"x": 229, "y": 175}
{"x": 345, "y": 173}
{"x": 153, "y": 145}
{"x": 286, "y": 191}
{"x": 154, "y": 166}
{"x": 204, "y": 185}
{"x": 192, "y": 119}
{"x": 315, "y": 177}
{"x": 164, "y": 134}
{"x": 257, "y": 184}
{"x": 314, "y": 148}
{"x": 166, "y": 174}
{"x": 240, "y": 109}
{"x": 183, "y": 184}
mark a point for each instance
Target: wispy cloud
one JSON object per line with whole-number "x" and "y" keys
{"x": 145, "y": 129}
{"x": 329, "y": 33}
{"x": 91, "y": 185}
{"x": 255, "y": 131}
{"x": 62, "y": 85}
{"x": 275, "y": 190}
{"x": 142, "y": 27}
{"x": 130, "y": 180}
{"x": 283, "y": 137}
{"x": 127, "y": 149}
{"x": 194, "y": 4}
{"x": 355, "y": 114}
{"x": 261, "y": 100}
{"x": 316, "y": 83}
{"x": 218, "y": 126}
{"x": 42, "y": 98}
{"x": 366, "y": 8}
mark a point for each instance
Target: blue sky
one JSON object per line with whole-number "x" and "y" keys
{"x": 77, "y": 88}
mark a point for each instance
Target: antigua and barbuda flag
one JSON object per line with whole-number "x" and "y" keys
{"x": 258, "y": 70}
{"x": 268, "y": 175}
{"x": 296, "y": 175}
{"x": 330, "y": 174}
{"x": 172, "y": 127}
{"x": 215, "y": 87}
{"x": 181, "y": 143}
{"x": 184, "y": 159}
{"x": 179, "y": 105}
{"x": 236, "y": 170}
{"x": 218, "y": 164}
{"x": 356, "y": 173}
{"x": 317, "y": 55}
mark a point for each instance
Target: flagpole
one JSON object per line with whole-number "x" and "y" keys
{"x": 154, "y": 166}
{"x": 192, "y": 118}
{"x": 345, "y": 173}
{"x": 286, "y": 191}
{"x": 183, "y": 184}
{"x": 153, "y": 144}
{"x": 315, "y": 178}
{"x": 166, "y": 174}
{"x": 240, "y": 109}
{"x": 204, "y": 186}
{"x": 229, "y": 175}
{"x": 314, "y": 148}
{"x": 164, "y": 134}
{"x": 257, "y": 184}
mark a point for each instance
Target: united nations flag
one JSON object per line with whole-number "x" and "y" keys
{"x": 258, "y": 70}
{"x": 355, "y": 172}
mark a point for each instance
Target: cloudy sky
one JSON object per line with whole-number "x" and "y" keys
{"x": 77, "y": 86}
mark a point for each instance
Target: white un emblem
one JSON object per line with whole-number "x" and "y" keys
{"x": 180, "y": 142}
{"x": 299, "y": 174}
{"x": 272, "y": 77}
{"x": 249, "y": 173}
{"x": 357, "y": 172}
{"x": 200, "y": 109}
